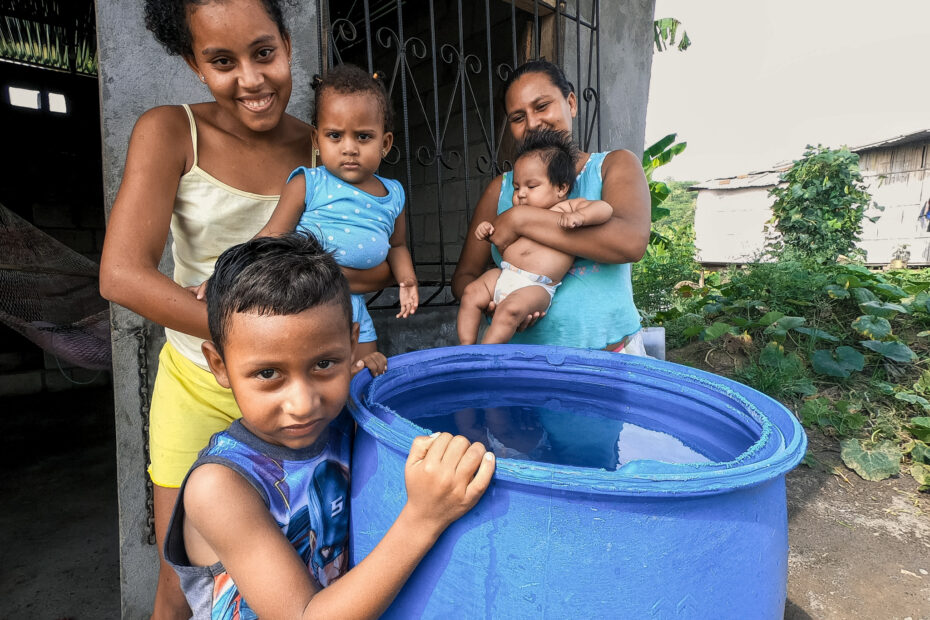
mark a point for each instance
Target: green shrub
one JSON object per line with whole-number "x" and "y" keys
{"x": 783, "y": 285}
{"x": 819, "y": 209}
{"x": 782, "y": 382}
{"x": 667, "y": 262}
{"x": 675, "y": 328}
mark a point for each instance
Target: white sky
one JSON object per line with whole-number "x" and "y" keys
{"x": 763, "y": 78}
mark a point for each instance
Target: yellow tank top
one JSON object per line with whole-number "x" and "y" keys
{"x": 209, "y": 217}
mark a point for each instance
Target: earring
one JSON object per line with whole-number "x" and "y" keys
{"x": 383, "y": 154}
{"x": 203, "y": 79}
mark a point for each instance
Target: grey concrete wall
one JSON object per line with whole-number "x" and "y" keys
{"x": 136, "y": 74}
{"x": 625, "y": 36}
{"x": 430, "y": 327}
{"x": 626, "y": 47}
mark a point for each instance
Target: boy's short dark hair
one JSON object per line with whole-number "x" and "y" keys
{"x": 273, "y": 276}
{"x": 556, "y": 149}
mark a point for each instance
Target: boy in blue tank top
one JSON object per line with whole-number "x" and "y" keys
{"x": 261, "y": 523}
{"x": 530, "y": 272}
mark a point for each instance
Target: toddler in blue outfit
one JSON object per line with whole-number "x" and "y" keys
{"x": 354, "y": 213}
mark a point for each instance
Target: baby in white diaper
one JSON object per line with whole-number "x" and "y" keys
{"x": 543, "y": 175}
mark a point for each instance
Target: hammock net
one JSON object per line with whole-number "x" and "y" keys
{"x": 49, "y": 294}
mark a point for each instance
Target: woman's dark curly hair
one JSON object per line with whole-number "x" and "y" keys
{"x": 349, "y": 79}
{"x": 168, "y": 21}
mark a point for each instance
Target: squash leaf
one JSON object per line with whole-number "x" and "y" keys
{"x": 874, "y": 327}
{"x": 897, "y": 351}
{"x": 882, "y": 309}
{"x": 872, "y": 461}
{"x": 838, "y": 363}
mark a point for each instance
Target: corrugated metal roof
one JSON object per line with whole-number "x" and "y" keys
{"x": 914, "y": 136}
{"x": 769, "y": 178}
{"x": 762, "y": 178}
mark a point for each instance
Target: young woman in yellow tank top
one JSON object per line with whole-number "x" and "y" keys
{"x": 211, "y": 174}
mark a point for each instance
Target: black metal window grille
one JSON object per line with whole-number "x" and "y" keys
{"x": 446, "y": 63}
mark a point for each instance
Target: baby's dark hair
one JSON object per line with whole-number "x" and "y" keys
{"x": 168, "y": 21}
{"x": 349, "y": 79}
{"x": 274, "y": 276}
{"x": 556, "y": 149}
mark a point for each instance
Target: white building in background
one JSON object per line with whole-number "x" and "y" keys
{"x": 731, "y": 212}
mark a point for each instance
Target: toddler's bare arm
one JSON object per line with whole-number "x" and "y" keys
{"x": 402, "y": 267}
{"x": 288, "y": 210}
{"x": 368, "y": 356}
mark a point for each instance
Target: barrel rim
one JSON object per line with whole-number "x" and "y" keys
{"x": 694, "y": 479}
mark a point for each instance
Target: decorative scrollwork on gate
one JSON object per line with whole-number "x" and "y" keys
{"x": 445, "y": 71}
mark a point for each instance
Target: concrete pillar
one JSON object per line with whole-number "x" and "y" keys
{"x": 625, "y": 37}
{"x": 626, "y": 47}
{"x": 136, "y": 74}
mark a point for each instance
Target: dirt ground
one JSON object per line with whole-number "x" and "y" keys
{"x": 858, "y": 549}
{"x": 58, "y": 512}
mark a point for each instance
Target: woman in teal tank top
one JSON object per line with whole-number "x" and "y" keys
{"x": 594, "y": 306}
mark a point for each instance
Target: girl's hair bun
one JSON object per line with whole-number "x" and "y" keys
{"x": 316, "y": 82}
{"x": 380, "y": 79}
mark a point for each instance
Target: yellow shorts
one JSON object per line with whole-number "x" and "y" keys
{"x": 188, "y": 407}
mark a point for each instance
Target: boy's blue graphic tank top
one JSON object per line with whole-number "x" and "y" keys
{"x": 306, "y": 492}
{"x": 594, "y": 306}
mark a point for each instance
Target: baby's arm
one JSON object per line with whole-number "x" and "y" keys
{"x": 290, "y": 206}
{"x": 402, "y": 267}
{"x": 579, "y": 212}
{"x": 445, "y": 477}
{"x": 484, "y": 230}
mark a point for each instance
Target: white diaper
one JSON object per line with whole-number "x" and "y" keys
{"x": 513, "y": 279}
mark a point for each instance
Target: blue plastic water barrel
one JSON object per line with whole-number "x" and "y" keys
{"x": 648, "y": 540}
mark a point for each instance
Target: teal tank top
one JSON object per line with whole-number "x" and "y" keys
{"x": 594, "y": 306}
